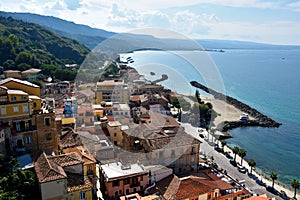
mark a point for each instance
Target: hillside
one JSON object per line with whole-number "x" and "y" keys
{"x": 24, "y": 45}
{"x": 86, "y": 35}
{"x": 91, "y": 37}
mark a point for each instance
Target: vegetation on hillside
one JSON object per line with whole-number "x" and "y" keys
{"x": 16, "y": 183}
{"x": 25, "y": 45}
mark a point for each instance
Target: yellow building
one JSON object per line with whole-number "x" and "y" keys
{"x": 112, "y": 91}
{"x": 17, "y": 103}
{"x": 89, "y": 160}
{"x": 32, "y": 126}
{"x": 115, "y": 131}
{"x": 17, "y": 84}
{"x": 13, "y": 74}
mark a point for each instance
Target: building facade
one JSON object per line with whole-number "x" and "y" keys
{"x": 112, "y": 91}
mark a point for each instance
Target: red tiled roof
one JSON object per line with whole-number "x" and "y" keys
{"x": 78, "y": 183}
{"x": 174, "y": 188}
{"x": 190, "y": 187}
{"x": 134, "y": 98}
{"x": 110, "y": 118}
{"x": 84, "y": 152}
{"x": 68, "y": 159}
{"x": 236, "y": 194}
{"x": 48, "y": 170}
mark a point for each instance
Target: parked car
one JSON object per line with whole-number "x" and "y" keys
{"x": 272, "y": 190}
{"x": 218, "y": 149}
{"x": 283, "y": 195}
{"x": 233, "y": 162}
{"x": 227, "y": 154}
{"x": 242, "y": 169}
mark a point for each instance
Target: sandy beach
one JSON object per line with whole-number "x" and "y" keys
{"x": 226, "y": 111}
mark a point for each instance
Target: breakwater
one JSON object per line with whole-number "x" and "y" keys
{"x": 260, "y": 119}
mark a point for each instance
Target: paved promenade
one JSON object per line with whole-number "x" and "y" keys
{"x": 222, "y": 161}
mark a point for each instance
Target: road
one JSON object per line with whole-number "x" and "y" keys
{"x": 223, "y": 163}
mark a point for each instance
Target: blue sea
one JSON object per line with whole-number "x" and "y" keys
{"x": 265, "y": 79}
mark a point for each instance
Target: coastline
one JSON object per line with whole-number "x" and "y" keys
{"x": 230, "y": 113}
{"x": 260, "y": 119}
{"x": 269, "y": 123}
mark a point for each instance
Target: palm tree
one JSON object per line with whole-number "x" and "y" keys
{"x": 252, "y": 164}
{"x": 273, "y": 176}
{"x": 242, "y": 153}
{"x": 295, "y": 184}
{"x": 235, "y": 150}
{"x": 223, "y": 143}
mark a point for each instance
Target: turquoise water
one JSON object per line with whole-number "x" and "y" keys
{"x": 267, "y": 80}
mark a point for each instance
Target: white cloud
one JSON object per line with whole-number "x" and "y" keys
{"x": 176, "y": 15}
{"x": 295, "y": 6}
{"x": 279, "y": 32}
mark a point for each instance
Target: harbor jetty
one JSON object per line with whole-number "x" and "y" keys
{"x": 259, "y": 118}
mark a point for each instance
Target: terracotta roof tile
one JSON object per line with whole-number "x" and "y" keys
{"x": 238, "y": 193}
{"x": 83, "y": 152}
{"x": 174, "y": 188}
{"x": 191, "y": 187}
{"x": 48, "y": 170}
{"x": 78, "y": 182}
{"x": 68, "y": 159}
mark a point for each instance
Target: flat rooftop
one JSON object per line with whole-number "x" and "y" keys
{"x": 117, "y": 170}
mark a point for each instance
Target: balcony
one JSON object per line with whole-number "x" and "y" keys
{"x": 23, "y": 130}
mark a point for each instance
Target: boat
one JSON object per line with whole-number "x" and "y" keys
{"x": 244, "y": 117}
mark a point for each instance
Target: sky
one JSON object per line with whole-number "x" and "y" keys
{"x": 272, "y": 21}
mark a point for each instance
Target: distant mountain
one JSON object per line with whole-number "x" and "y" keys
{"x": 91, "y": 37}
{"x": 88, "y": 36}
{"x": 24, "y": 45}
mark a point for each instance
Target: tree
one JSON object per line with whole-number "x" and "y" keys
{"x": 223, "y": 143}
{"x": 252, "y": 164}
{"x": 235, "y": 150}
{"x": 197, "y": 94}
{"x": 242, "y": 153}
{"x": 15, "y": 183}
{"x": 24, "y": 57}
{"x": 295, "y": 184}
{"x": 273, "y": 176}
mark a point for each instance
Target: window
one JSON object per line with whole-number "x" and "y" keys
{"x": 48, "y": 136}
{"x": 16, "y": 108}
{"x": 34, "y": 104}
{"x": 173, "y": 153}
{"x": 126, "y": 181}
{"x": 3, "y": 111}
{"x": 193, "y": 159}
{"x": 181, "y": 161}
{"x": 82, "y": 195}
{"x": 89, "y": 170}
{"x": 13, "y": 98}
{"x": 193, "y": 149}
{"x": 24, "y": 97}
{"x": 28, "y": 139}
{"x": 47, "y": 121}
{"x": 115, "y": 183}
{"x": 25, "y": 108}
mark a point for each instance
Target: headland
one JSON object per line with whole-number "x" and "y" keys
{"x": 258, "y": 119}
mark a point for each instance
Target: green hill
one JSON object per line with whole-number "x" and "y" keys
{"x": 24, "y": 45}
